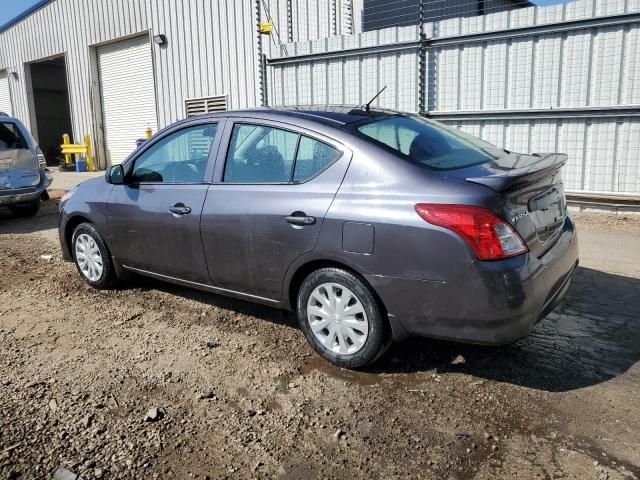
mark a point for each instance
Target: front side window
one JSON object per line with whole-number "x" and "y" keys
{"x": 11, "y": 138}
{"x": 262, "y": 154}
{"x": 180, "y": 157}
{"x": 427, "y": 143}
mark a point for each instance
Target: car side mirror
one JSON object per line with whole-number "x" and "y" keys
{"x": 115, "y": 175}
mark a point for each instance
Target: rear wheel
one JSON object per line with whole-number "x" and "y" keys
{"x": 341, "y": 318}
{"x": 92, "y": 258}
{"x": 25, "y": 209}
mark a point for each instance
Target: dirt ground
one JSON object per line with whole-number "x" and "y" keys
{"x": 239, "y": 393}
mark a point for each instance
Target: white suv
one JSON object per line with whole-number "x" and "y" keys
{"x": 23, "y": 174}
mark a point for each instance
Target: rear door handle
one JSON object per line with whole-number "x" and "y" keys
{"x": 300, "y": 218}
{"x": 180, "y": 209}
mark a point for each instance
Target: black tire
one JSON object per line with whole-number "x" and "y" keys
{"x": 378, "y": 338}
{"x": 108, "y": 278}
{"x": 25, "y": 209}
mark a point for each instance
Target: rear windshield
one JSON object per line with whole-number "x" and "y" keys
{"x": 427, "y": 143}
{"x": 10, "y": 137}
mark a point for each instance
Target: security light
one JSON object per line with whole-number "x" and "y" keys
{"x": 160, "y": 39}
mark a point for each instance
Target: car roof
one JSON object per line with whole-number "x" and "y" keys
{"x": 5, "y": 117}
{"x": 330, "y": 115}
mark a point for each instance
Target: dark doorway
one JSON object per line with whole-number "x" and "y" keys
{"x": 51, "y": 113}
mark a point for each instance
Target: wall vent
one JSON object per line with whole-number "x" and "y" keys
{"x": 200, "y": 106}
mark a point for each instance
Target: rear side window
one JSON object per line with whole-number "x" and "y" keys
{"x": 11, "y": 138}
{"x": 262, "y": 154}
{"x": 313, "y": 157}
{"x": 430, "y": 144}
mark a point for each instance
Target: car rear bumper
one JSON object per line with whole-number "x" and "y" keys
{"x": 489, "y": 302}
{"x": 48, "y": 176}
{"x": 15, "y": 196}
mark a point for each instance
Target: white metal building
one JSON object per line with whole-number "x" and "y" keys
{"x": 129, "y": 65}
{"x": 560, "y": 78}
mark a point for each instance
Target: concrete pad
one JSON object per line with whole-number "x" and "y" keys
{"x": 67, "y": 180}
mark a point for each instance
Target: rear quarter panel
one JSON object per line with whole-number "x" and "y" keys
{"x": 381, "y": 190}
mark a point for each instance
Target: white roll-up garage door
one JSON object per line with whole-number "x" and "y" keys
{"x": 128, "y": 96}
{"x": 5, "y": 95}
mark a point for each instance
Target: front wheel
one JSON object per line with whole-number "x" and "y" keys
{"x": 341, "y": 318}
{"x": 92, "y": 258}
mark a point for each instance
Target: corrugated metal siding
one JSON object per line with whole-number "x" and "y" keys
{"x": 211, "y": 50}
{"x": 5, "y": 94}
{"x": 353, "y": 80}
{"x": 198, "y": 60}
{"x": 48, "y": 32}
{"x": 311, "y": 19}
{"x": 596, "y": 67}
{"x": 527, "y": 77}
{"x": 604, "y": 155}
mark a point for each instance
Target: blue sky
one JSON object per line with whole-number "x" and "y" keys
{"x": 9, "y": 9}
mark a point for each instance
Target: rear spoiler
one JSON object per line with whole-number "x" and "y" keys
{"x": 547, "y": 165}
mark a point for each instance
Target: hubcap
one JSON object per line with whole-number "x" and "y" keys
{"x": 88, "y": 257}
{"x": 337, "y": 318}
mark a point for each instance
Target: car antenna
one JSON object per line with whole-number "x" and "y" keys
{"x": 367, "y": 107}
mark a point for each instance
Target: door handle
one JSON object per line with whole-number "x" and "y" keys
{"x": 300, "y": 218}
{"x": 180, "y": 209}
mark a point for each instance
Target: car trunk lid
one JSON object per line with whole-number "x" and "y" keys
{"x": 531, "y": 193}
{"x": 18, "y": 169}
{"x": 18, "y": 158}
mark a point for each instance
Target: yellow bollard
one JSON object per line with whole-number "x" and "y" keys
{"x": 67, "y": 156}
{"x": 149, "y": 132}
{"x": 87, "y": 143}
{"x": 69, "y": 149}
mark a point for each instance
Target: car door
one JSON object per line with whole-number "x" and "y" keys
{"x": 154, "y": 217}
{"x": 267, "y": 203}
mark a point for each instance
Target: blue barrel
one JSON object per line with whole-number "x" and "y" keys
{"x": 81, "y": 164}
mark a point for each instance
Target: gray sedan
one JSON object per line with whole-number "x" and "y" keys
{"x": 371, "y": 225}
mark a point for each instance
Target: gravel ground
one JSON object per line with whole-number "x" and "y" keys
{"x": 157, "y": 381}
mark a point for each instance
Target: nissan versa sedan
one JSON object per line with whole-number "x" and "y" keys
{"x": 23, "y": 175}
{"x": 371, "y": 225}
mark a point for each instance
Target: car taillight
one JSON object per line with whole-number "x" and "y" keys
{"x": 42, "y": 162}
{"x": 489, "y": 236}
